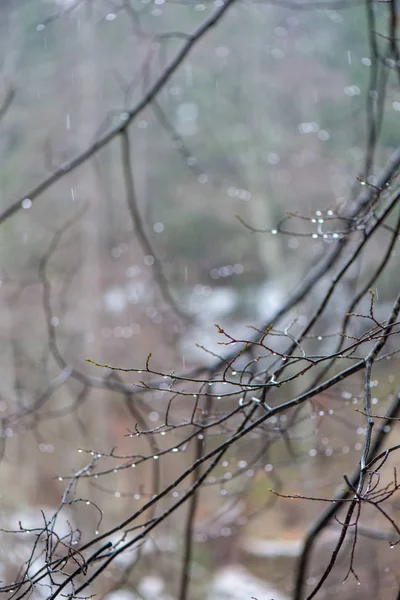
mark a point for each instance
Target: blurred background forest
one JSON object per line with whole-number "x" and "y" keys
{"x": 268, "y": 115}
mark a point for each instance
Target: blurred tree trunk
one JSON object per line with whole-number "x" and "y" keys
{"x": 91, "y": 249}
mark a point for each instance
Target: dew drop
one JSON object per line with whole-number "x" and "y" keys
{"x": 26, "y": 203}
